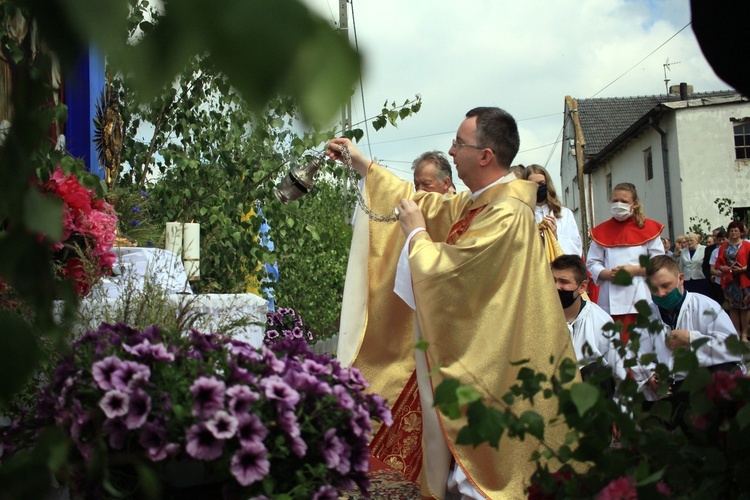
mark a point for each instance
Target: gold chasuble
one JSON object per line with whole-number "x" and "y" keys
{"x": 483, "y": 300}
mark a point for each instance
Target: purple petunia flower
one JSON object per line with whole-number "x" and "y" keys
{"x": 344, "y": 465}
{"x": 153, "y": 439}
{"x": 250, "y": 464}
{"x": 102, "y": 372}
{"x": 243, "y": 351}
{"x": 297, "y": 332}
{"x": 360, "y": 458}
{"x": 301, "y": 381}
{"x": 222, "y": 425}
{"x": 241, "y": 399}
{"x": 208, "y": 393}
{"x": 148, "y": 350}
{"x": 331, "y": 448}
{"x": 379, "y": 408}
{"x": 360, "y": 423}
{"x": 274, "y": 363}
{"x": 250, "y": 429}
{"x": 313, "y": 367}
{"x": 115, "y": 403}
{"x": 239, "y": 375}
{"x": 130, "y": 373}
{"x": 202, "y": 444}
{"x": 326, "y": 492}
{"x": 116, "y": 432}
{"x": 345, "y": 400}
{"x": 278, "y": 390}
{"x": 140, "y": 406}
{"x": 299, "y": 446}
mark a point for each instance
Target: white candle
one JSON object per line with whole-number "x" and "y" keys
{"x": 191, "y": 250}
{"x": 174, "y": 238}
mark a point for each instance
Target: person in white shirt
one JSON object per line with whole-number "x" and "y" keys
{"x": 594, "y": 347}
{"x": 684, "y": 317}
{"x": 559, "y": 219}
{"x": 618, "y": 244}
{"x": 691, "y": 265}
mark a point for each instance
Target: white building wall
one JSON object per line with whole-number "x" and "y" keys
{"x": 708, "y": 166}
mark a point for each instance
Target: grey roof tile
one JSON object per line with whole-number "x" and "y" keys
{"x": 604, "y": 119}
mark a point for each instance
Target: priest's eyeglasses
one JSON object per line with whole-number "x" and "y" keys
{"x": 459, "y": 145}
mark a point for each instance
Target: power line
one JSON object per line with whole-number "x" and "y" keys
{"x": 639, "y": 62}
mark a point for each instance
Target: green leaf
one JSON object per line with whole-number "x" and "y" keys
{"x": 644, "y": 261}
{"x": 43, "y": 214}
{"x": 584, "y": 396}
{"x": 466, "y": 394}
{"x": 568, "y": 370}
{"x": 446, "y": 399}
{"x": 520, "y": 362}
{"x": 20, "y": 354}
{"x": 533, "y": 423}
{"x": 743, "y": 417}
{"x": 421, "y": 344}
{"x": 622, "y": 278}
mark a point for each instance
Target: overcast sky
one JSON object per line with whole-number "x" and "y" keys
{"x": 522, "y": 55}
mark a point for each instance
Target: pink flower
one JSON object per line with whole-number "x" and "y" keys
{"x": 619, "y": 489}
{"x": 103, "y": 370}
{"x": 140, "y": 406}
{"x": 721, "y": 385}
{"x": 241, "y": 399}
{"x": 662, "y": 488}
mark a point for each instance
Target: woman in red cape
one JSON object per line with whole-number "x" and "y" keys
{"x": 618, "y": 244}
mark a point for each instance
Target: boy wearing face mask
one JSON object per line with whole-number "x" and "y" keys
{"x": 586, "y": 322}
{"x": 618, "y": 244}
{"x": 685, "y": 317}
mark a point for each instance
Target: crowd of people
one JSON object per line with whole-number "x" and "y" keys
{"x": 496, "y": 274}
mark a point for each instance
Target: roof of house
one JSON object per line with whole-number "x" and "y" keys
{"x": 604, "y": 119}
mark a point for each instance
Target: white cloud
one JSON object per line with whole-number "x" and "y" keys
{"x": 524, "y": 56}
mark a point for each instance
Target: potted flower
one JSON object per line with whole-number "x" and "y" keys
{"x": 203, "y": 411}
{"x": 84, "y": 253}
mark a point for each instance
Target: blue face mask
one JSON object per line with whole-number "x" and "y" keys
{"x": 669, "y": 301}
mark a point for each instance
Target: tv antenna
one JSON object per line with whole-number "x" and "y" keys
{"x": 667, "y": 65}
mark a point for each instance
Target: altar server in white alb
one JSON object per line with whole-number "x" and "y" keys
{"x": 594, "y": 348}
{"x": 619, "y": 244}
{"x": 548, "y": 209}
{"x": 685, "y": 318}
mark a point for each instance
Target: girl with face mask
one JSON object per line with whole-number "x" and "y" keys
{"x": 558, "y": 219}
{"x": 618, "y": 244}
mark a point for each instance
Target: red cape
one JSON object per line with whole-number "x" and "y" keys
{"x": 614, "y": 233}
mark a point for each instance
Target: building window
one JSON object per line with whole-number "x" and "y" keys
{"x": 609, "y": 186}
{"x": 567, "y": 196}
{"x": 741, "y": 214}
{"x": 742, "y": 141}
{"x": 648, "y": 162}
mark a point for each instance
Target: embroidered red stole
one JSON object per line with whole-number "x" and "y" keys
{"x": 400, "y": 445}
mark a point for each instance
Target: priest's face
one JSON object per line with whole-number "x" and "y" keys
{"x": 467, "y": 153}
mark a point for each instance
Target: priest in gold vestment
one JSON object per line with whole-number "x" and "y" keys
{"x": 483, "y": 297}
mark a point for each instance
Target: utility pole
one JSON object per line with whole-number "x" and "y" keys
{"x": 346, "y": 111}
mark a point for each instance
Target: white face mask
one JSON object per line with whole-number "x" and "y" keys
{"x": 621, "y": 211}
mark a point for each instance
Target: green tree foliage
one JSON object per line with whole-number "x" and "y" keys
{"x": 312, "y": 248}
